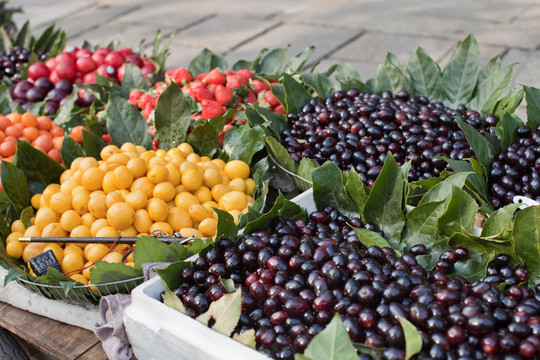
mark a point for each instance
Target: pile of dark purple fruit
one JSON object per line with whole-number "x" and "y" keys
{"x": 294, "y": 280}
{"x": 26, "y": 94}
{"x": 11, "y": 61}
{"x": 517, "y": 170}
{"x": 357, "y": 129}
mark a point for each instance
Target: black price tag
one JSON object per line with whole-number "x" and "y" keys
{"x": 40, "y": 263}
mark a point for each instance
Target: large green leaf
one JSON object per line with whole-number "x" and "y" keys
{"x": 369, "y": 238}
{"x": 70, "y": 150}
{"x": 280, "y": 154}
{"x": 133, "y": 79}
{"x": 328, "y": 190}
{"x": 296, "y": 96}
{"x": 205, "y": 139}
{"x": 488, "y": 91}
{"x": 40, "y": 170}
{"x": 224, "y": 313}
{"x": 172, "y": 117}
{"x": 103, "y": 272}
{"x": 92, "y": 144}
{"x": 509, "y": 103}
{"x": 206, "y": 61}
{"x": 413, "y": 340}
{"x": 483, "y": 149}
{"x": 422, "y": 223}
{"x": 333, "y": 343}
{"x": 506, "y": 130}
{"x": 459, "y": 214}
{"x": 500, "y": 222}
{"x": 384, "y": 205}
{"x": 356, "y": 190}
{"x": 126, "y": 124}
{"x": 15, "y": 186}
{"x": 149, "y": 249}
{"x": 244, "y": 142}
{"x": 425, "y": 74}
{"x": 319, "y": 83}
{"x": 527, "y": 237}
{"x": 460, "y": 74}
{"x": 273, "y": 62}
{"x": 532, "y": 97}
{"x": 297, "y": 62}
{"x": 348, "y": 77}
{"x": 66, "y": 110}
{"x": 392, "y": 76}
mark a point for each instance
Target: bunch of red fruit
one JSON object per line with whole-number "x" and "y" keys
{"x": 215, "y": 91}
{"x": 54, "y": 78}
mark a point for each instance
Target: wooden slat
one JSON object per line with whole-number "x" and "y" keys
{"x": 51, "y": 339}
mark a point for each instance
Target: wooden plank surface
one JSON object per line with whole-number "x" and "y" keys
{"x": 43, "y": 338}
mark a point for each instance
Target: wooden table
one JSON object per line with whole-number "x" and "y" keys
{"x": 46, "y": 339}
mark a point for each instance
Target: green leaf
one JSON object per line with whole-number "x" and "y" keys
{"x": 483, "y": 149}
{"x": 264, "y": 221}
{"x": 228, "y": 284}
{"x": 5, "y": 41}
{"x": 23, "y": 36}
{"x": 273, "y": 62}
{"x": 92, "y": 144}
{"x": 296, "y": 96}
{"x": 103, "y": 272}
{"x": 206, "y": 61}
{"x": 509, "y": 103}
{"x": 413, "y": 340}
{"x": 532, "y": 98}
{"x": 444, "y": 189}
{"x": 172, "y": 117}
{"x": 247, "y": 337}
{"x": 319, "y": 83}
{"x": 280, "y": 154}
{"x": 384, "y": 205}
{"x": 348, "y": 77}
{"x": 243, "y": 142}
{"x": 475, "y": 267}
{"x": 333, "y": 343}
{"x": 205, "y": 139}
{"x": 425, "y": 74}
{"x": 422, "y": 223}
{"x": 171, "y": 300}
{"x": 500, "y": 222}
{"x": 224, "y": 313}
{"x": 226, "y": 228}
{"x": 370, "y": 238}
{"x": 460, "y": 74}
{"x": 258, "y": 115}
{"x": 170, "y": 274}
{"x": 149, "y": 249}
{"x": 488, "y": 91}
{"x": 133, "y": 79}
{"x": 126, "y": 124}
{"x": 356, "y": 190}
{"x": 526, "y": 237}
{"x": 40, "y": 170}
{"x": 459, "y": 214}
{"x": 297, "y": 62}
{"x": 70, "y": 150}
{"x": 66, "y": 110}
{"x": 26, "y": 216}
{"x": 305, "y": 166}
{"x": 328, "y": 190}
{"x": 476, "y": 182}
{"x": 15, "y": 186}
{"x": 391, "y": 76}
{"x": 492, "y": 66}
{"x": 506, "y": 130}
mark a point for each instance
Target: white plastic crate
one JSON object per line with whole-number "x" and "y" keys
{"x": 158, "y": 332}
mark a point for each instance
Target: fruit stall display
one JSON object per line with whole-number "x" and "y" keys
{"x": 416, "y": 249}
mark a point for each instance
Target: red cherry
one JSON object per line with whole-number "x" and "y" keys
{"x": 102, "y": 50}
{"x": 148, "y": 71}
{"x": 106, "y": 71}
{"x": 66, "y": 70}
{"x": 89, "y": 78}
{"x": 68, "y": 57}
{"x": 37, "y": 70}
{"x": 125, "y": 51}
{"x": 85, "y": 64}
{"x": 98, "y": 58}
{"x": 54, "y": 77}
{"x": 83, "y": 53}
{"x": 134, "y": 59}
{"x": 51, "y": 64}
{"x": 115, "y": 59}
{"x": 121, "y": 70}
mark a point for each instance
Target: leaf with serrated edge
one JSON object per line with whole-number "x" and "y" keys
{"x": 126, "y": 124}
{"x": 243, "y": 143}
{"x": 461, "y": 72}
{"x": 246, "y": 338}
{"x": 443, "y": 189}
{"x": 390, "y": 76}
{"x": 171, "y": 300}
{"x": 489, "y": 90}
{"x": 500, "y": 222}
{"x": 421, "y": 226}
{"x": 225, "y": 313}
{"x": 413, "y": 340}
{"x": 425, "y": 74}
{"x": 333, "y": 343}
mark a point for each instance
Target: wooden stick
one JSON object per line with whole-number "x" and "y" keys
{"x": 98, "y": 240}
